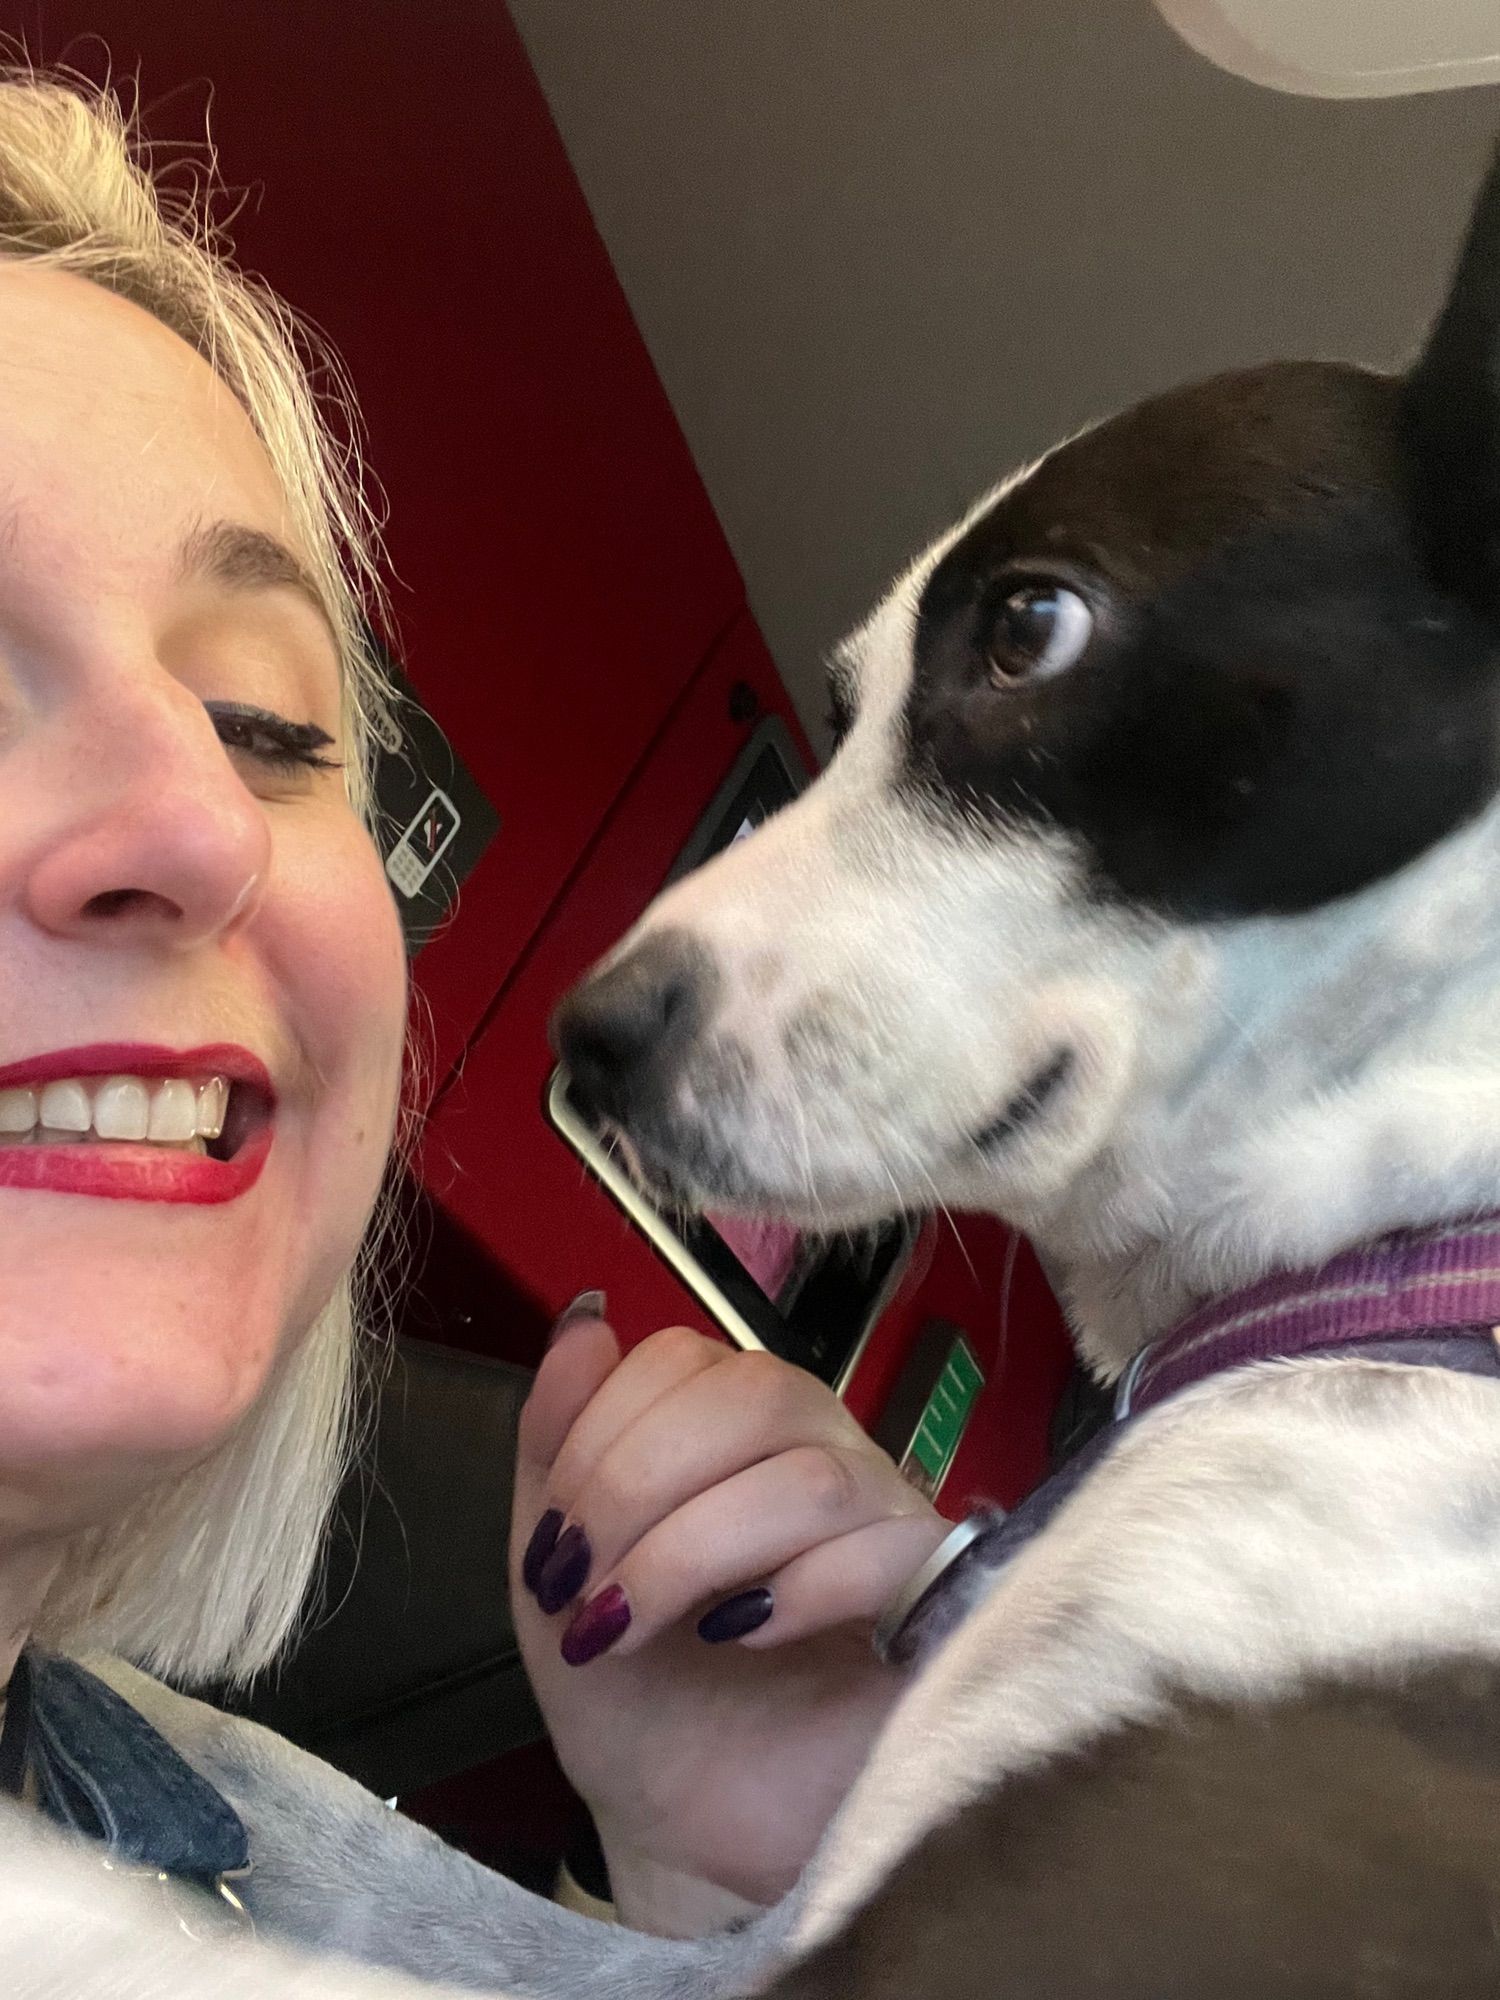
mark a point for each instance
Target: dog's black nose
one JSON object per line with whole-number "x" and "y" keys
{"x": 620, "y": 1032}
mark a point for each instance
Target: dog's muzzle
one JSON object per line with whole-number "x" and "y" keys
{"x": 626, "y": 1032}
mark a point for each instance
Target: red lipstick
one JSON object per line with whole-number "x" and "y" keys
{"x": 130, "y": 1170}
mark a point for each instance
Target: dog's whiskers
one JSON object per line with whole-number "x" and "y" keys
{"x": 940, "y": 1207}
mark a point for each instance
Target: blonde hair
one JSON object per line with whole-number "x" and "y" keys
{"x": 204, "y": 1578}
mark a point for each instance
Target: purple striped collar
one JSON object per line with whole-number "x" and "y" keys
{"x": 1408, "y": 1285}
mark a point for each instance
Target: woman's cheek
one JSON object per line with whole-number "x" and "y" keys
{"x": 351, "y": 958}
{"x": 344, "y": 967}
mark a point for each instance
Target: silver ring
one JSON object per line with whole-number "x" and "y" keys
{"x": 900, "y": 1608}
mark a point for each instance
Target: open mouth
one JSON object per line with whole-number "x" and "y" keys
{"x": 684, "y": 1185}
{"x": 137, "y": 1122}
{"x": 1027, "y": 1104}
{"x": 212, "y": 1117}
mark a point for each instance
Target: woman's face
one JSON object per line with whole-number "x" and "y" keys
{"x": 187, "y": 901}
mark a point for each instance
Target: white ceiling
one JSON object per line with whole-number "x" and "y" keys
{"x": 881, "y": 250}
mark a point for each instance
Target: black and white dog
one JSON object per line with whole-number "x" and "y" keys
{"x": 1152, "y": 901}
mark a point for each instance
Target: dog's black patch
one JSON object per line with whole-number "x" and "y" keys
{"x": 1292, "y": 683}
{"x": 1451, "y": 417}
{"x": 1332, "y": 1846}
{"x": 1279, "y": 703}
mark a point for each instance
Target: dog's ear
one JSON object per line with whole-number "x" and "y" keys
{"x": 1452, "y": 417}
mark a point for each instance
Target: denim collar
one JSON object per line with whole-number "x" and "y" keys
{"x": 101, "y": 1770}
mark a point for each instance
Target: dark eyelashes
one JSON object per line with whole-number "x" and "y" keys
{"x": 273, "y": 740}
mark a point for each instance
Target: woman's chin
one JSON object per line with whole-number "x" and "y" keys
{"x": 110, "y": 1387}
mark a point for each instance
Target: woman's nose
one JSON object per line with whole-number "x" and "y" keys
{"x": 159, "y": 840}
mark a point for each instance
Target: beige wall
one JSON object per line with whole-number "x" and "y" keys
{"x": 881, "y": 249}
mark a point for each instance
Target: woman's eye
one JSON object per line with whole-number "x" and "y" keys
{"x": 274, "y": 741}
{"x": 1040, "y": 629}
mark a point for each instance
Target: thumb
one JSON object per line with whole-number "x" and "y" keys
{"x": 583, "y": 1354}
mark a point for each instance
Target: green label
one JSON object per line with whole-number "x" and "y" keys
{"x": 946, "y": 1414}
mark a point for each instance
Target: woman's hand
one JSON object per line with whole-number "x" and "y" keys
{"x": 702, "y": 1542}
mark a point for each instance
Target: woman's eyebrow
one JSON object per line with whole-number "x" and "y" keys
{"x": 244, "y": 558}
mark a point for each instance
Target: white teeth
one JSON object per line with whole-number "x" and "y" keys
{"x": 213, "y": 1101}
{"x": 122, "y": 1108}
{"x": 17, "y": 1110}
{"x": 174, "y": 1111}
{"x": 66, "y": 1108}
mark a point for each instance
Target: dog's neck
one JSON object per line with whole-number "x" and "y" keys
{"x": 1350, "y": 1086}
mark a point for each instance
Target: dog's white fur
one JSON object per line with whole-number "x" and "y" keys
{"x": 1255, "y": 1095}
{"x": 1302, "y": 1519}
{"x": 1247, "y": 1095}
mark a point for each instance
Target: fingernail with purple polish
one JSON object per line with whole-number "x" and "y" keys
{"x": 587, "y": 1305}
{"x": 595, "y": 1626}
{"x": 736, "y": 1616}
{"x": 543, "y": 1541}
{"x": 565, "y": 1571}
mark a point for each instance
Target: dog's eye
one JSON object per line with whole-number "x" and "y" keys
{"x": 1040, "y": 629}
